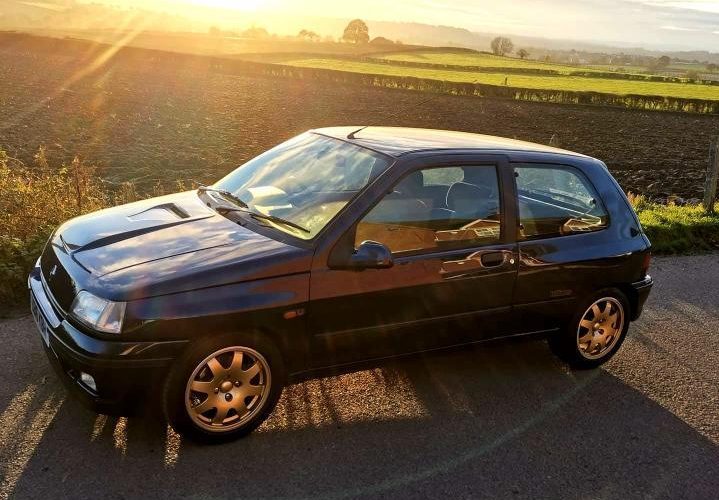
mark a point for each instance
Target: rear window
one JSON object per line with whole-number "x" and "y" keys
{"x": 556, "y": 200}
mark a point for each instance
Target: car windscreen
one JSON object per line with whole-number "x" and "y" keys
{"x": 306, "y": 180}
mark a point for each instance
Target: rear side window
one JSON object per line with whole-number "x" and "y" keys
{"x": 556, "y": 200}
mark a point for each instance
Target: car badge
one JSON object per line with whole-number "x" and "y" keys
{"x": 53, "y": 271}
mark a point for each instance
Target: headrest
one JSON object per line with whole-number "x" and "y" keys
{"x": 462, "y": 191}
{"x": 411, "y": 184}
{"x": 480, "y": 176}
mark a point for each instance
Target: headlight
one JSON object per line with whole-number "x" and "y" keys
{"x": 100, "y": 314}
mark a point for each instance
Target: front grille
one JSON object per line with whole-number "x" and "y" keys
{"x": 58, "y": 284}
{"x": 53, "y": 302}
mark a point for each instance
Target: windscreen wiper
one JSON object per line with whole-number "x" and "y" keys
{"x": 268, "y": 217}
{"x": 225, "y": 194}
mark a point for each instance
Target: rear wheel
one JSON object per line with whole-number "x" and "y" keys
{"x": 596, "y": 331}
{"x": 224, "y": 388}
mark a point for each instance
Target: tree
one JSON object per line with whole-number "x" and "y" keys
{"x": 502, "y": 46}
{"x": 522, "y": 53}
{"x": 380, "y": 40}
{"x": 215, "y": 31}
{"x": 663, "y": 62}
{"x": 308, "y": 35}
{"x": 711, "y": 67}
{"x": 356, "y": 32}
{"x": 255, "y": 32}
{"x": 693, "y": 76}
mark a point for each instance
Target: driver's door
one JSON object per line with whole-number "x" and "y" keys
{"x": 453, "y": 275}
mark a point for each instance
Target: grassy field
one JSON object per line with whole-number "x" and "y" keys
{"x": 491, "y": 61}
{"x": 479, "y": 59}
{"x": 674, "y": 69}
{"x": 580, "y": 84}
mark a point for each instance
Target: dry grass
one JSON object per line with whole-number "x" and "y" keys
{"x": 35, "y": 199}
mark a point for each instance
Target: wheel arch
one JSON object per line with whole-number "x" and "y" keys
{"x": 632, "y": 297}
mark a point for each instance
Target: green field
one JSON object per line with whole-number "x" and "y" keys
{"x": 618, "y": 68}
{"x": 491, "y": 61}
{"x": 560, "y": 82}
{"x": 479, "y": 59}
{"x": 674, "y": 69}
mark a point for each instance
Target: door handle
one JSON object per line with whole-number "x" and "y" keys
{"x": 478, "y": 262}
{"x": 497, "y": 258}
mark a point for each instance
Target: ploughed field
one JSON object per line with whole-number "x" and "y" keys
{"x": 144, "y": 117}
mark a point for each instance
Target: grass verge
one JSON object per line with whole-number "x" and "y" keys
{"x": 680, "y": 230}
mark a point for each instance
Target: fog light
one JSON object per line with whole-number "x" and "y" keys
{"x": 87, "y": 379}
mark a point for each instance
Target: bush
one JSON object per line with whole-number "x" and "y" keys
{"x": 33, "y": 201}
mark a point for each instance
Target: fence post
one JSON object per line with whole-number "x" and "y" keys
{"x": 710, "y": 186}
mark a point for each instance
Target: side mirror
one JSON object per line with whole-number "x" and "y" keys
{"x": 371, "y": 255}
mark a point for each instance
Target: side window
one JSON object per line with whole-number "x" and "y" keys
{"x": 555, "y": 200}
{"x": 442, "y": 176}
{"x": 437, "y": 208}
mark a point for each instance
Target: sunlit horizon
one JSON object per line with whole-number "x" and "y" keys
{"x": 658, "y": 24}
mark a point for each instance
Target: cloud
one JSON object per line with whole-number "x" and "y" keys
{"x": 677, "y": 28}
{"x": 697, "y": 5}
{"x": 681, "y": 24}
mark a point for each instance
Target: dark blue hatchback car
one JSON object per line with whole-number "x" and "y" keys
{"x": 340, "y": 246}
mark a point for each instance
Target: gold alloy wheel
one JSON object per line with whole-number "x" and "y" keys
{"x": 600, "y": 328}
{"x": 228, "y": 388}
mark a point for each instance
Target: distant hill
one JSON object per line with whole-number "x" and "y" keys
{"x": 424, "y": 34}
{"x": 72, "y": 15}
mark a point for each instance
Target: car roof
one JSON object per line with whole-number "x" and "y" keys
{"x": 396, "y": 141}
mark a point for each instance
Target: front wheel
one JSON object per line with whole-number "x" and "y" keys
{"x": 221, "y": 389}
{"x": 596, "y": 331}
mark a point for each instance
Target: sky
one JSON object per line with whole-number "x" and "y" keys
{"x": 676, "y": 24}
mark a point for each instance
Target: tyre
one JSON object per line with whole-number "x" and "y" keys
{"x": 596, "y": 331}
{"x": 223, "y": 388}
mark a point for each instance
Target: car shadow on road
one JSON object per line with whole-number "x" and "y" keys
{"x": 504, "y": 420}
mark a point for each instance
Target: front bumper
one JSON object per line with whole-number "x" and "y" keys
{"x": 123, "y": 371}
{"x": 641, "y": 291}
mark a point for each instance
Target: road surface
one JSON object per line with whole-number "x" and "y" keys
{"x": 500, "y": 421}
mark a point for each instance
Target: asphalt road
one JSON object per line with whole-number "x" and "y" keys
{"x": 501, "y": 421}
